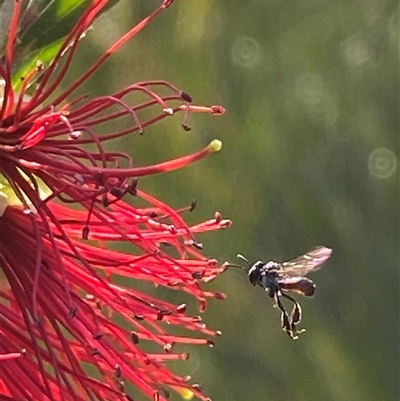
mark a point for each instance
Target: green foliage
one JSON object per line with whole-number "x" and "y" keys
{"x": 45, "y": 25}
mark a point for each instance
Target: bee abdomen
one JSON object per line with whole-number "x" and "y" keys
{"x": 301, "y": 285}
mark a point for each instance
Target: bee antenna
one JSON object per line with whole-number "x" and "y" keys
{"x": 240, "y": 256}
{"x": 237, "y": 266}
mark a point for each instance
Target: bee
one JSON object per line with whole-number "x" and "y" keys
{"x": 279, "y": 277}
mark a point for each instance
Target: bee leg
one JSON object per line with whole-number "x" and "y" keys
{"x": 285, "y": 320}
{"x": 295, "y": 316}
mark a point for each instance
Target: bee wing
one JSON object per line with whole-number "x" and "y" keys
{"x": 310, "y": 261}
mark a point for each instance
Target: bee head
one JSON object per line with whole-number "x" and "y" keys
{"x": 254, "y": 273}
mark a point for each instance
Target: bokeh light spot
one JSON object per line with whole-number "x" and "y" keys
{"x": 382, "y": 163}
{"x": 246, "y": 52}
{"x": 309, "y": 88}
{"x": 356, "y": 51}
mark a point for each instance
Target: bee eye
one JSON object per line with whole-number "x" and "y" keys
{"x": 253, "y": 277}
{"x": 254, "y": 273}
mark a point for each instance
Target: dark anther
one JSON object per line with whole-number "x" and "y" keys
{"x": 106, "y": 201}
{"x": 99, "y": 178}
{"x": 181, "y": 308}
{"x": 163, "y": 313}
{"x": 193, "y": 205}
{"x": 117, "y": 192}
{"x": 185, "y": 96}
{"x": 219, "y": 295}
{"x": 210, "y": 343}
{"x": 186, "y": 127}
{"x": 129, "y": 398}
{"x": 72, "y": 312}
{"x": 97, "y": 336}
{"x": 134, "y": 337}
{"x": 85, "y": 233}
{"x": 197, "y": 275}
{"x": 132, "y": 189}
{"x": 197, "y": 245}
{"x": 139, "y": 317}
{"x": 95, "y": 352}
{"x": 118, "y": 372}
{"x": 165, "y": 391}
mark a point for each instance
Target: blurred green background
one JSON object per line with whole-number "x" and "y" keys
{"x": 311, "y": 144}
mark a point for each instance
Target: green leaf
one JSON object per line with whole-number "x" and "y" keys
{"x": 43, "y": 26}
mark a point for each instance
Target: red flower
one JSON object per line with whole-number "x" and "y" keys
{"x": 72, "y": 325}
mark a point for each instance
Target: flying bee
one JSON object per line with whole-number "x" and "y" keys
{"x": 279, "y": 277}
